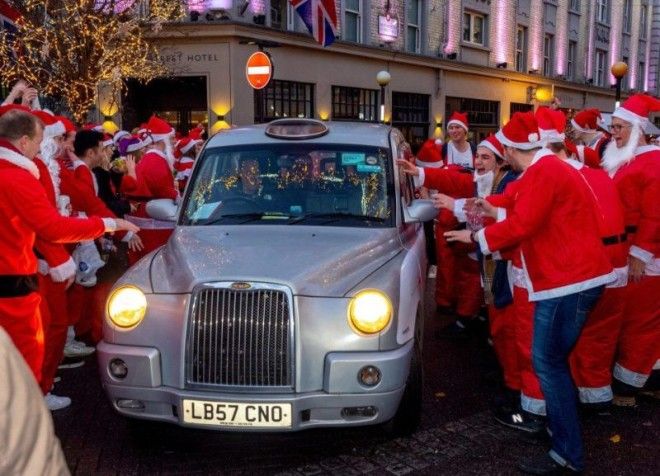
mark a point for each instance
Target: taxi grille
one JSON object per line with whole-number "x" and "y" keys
{"x": 240, "y": 338}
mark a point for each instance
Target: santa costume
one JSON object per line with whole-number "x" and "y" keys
{"x": 636, "y": 172}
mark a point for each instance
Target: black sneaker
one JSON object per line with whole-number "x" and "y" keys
{"x": 520, "y": 420}
{"x": 544, "y": 465}
{"x": 600, "y": 409}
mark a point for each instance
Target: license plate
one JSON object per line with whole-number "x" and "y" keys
{"x": 254, "y": 415}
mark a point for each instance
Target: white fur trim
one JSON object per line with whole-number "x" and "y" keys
{"x": 518, "y": 145}
{"x": 577, "y": 127}
{"x": 64, "y": 271}
{"x": 458, "y": 123}
{"x": 621, "y": 278}
{"x": 110, "y": 224}
{"x": 20, "y": 161}
{"x": 595, "y": 394}
{"x": 42, "y": 267}
{"x": 634, "y": 379}
{"x": 431, "y": 165}
{"x": 576, "y": 164}
{"x": 641, "y": 254}
{"x": 491, "y": 147}
{"x": 483, "y": 244}
{"x": 551, "y": 135}
{"x": 159, "y": 137}
{"x": 501, "y": 214}
{"x": 54, "y": 130}
{"x": 438, "y": 142}
{"x": 189, "y": 146}
{"x": 119, "y": 135}
{"x": 629, "y": 116}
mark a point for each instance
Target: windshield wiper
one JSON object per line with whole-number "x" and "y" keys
{"x": 248, "y": 217}
{"x": 335, "y": 217}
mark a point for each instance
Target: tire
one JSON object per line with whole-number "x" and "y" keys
{"x": 408, "y": 415}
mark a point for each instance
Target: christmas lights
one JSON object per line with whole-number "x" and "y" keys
{"x": 67, "y": 48}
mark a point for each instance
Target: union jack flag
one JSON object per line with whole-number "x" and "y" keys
{"x": 320, "y": 17}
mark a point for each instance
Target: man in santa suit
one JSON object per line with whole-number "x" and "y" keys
{"x": 589, "y": 132}
{"x": 593, "y": 355}
{"x": 635, "y": 168}
{"x": 553, "y": 205}
{"x": 154, "y": 179}
{"x": 24, "y": 211}
{"x": 186, "y": 149}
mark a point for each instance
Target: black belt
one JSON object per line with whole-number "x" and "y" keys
{"x": 614, "y": 239}
{"x": 17, "y": 285}
{"x": 631, "y": 229}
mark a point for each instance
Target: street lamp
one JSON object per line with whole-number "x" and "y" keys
{"x": 383, "y": 78}
{"x": 619, "y": 70}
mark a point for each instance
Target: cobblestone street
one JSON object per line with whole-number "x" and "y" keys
{"x": 458, "y": 434}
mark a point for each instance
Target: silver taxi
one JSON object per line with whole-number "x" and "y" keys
{"x": 289, "y": 296}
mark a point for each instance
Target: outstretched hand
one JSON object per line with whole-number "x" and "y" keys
{"x": 407, "y": 167}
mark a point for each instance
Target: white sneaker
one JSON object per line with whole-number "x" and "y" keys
{"x": 70, "y": 363}
{"x": 433, "y": 271}
{"x": 77, "y": 349}
{"x": 54, "y": 402}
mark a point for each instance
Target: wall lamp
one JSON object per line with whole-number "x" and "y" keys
{"x": 533, "y": 71}
{"x": 502, "y": 65}
{"x": 107, "y": 118}
{"x": 221, "y": 117}
{"x": 438, "y": 124}
{"x": 194, "y": 15}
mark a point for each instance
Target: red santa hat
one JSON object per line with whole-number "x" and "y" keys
{"x": 68, "y": 125}
{"x": 551, "y": 124}
{"x": 460, "y": 119}
{"x": 636, "y": 109}
{"x": 93, "y": 127}
{"x": 186, "y": 144}
{"x": 588, "y": 121}
{"x": 583, "y": 154}
{"x": 53, "y": 127}
{"x": 159, "y": 129}
{"x": 107, "y": 140}
{"x": 14, "y": 107}
{"x": 196, "y": 132}
{"x": 521, "y": 132}
{"x": 495, "y": 146}
{"x": 429, "y": 155}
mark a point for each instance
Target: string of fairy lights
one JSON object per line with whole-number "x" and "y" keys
{"x": 67, "y": 48}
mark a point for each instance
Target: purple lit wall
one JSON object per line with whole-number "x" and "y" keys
{"x": 536, "y": 35}
{"x": 589, "y": 64}
{"x": 454, "y": 18}
{"x": 561, "y": 38}
{"x": 204, "y": 5}
{"x": 504, "y": 31}
{"x": 616, "y": 24}
{"x": 258, "y": 7}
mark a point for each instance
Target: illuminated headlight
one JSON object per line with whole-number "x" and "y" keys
{"x": 127, "y": 307}
{"x": 370, "y": 311}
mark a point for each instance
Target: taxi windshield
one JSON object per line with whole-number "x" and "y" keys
{"x": 314, "y": 184}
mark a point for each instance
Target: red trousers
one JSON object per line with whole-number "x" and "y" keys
{"x": 151, "y": 239}
{"x": 87, "y": 309}
{"x": 531, "y": 396}
{"x": 21, "y": 319}
{"x": 445, "y": 277}
{"x": 503, "y": 332}
{"x": 592, "y": 358}
{"x": 458, "y": 279}
{"x": 54, "y": 306}
{"x": 639, "y": 341}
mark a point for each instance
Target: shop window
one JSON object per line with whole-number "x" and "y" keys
{"x": 354, "y": 104}
{"x": 283, "y": 99}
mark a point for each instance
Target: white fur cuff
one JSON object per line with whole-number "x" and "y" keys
{"x": 66, "y": 270}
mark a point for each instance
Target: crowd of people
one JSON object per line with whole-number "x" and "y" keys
{"x": 557, "y": 236}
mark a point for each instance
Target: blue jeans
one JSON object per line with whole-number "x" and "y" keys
{"x": 557, "y": 326}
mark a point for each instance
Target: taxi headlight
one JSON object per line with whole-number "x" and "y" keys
{"x": 370, "y": 311}
{"x": 127, "y": 307}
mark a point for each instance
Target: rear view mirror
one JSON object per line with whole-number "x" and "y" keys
{"x": 162, "y": 209}
{"x": 420, "y": 210}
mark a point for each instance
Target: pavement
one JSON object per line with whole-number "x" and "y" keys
{"x": 457, "y": 436}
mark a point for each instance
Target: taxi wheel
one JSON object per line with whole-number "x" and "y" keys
{"x": 408, "y": 415}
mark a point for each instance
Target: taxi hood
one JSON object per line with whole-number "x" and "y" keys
{"x": 312, "y": 261}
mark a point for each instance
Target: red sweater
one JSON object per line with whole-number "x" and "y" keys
{"x": 554, "y": 220}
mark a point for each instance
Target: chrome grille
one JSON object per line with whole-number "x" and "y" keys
{"x": 240, "y": 338}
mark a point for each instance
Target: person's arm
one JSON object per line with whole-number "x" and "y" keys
{"x": 450, "y": 181}
{"x": 61, "y": 266}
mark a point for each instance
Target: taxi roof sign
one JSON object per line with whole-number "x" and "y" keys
{"x": 258, "y": 70}
{"x": 296, "y": 129}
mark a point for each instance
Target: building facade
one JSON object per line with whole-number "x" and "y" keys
{"x": 489, "y": 58}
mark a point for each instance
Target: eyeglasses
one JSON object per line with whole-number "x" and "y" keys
{"x": 617, "y": 127}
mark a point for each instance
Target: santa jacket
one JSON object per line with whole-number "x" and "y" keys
{"x": 452, "y": 180}
{"x": 554, "y": 220}
{"x": 25, "y": 209}
{"x": 610, "y": 218}
{"x": 638, "y": 183}
{"x": 154, "y": 177}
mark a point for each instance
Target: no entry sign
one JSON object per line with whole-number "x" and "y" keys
{"x": 258, "y": 70}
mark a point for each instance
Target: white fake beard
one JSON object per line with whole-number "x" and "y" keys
{"x": 614, "y": 157}
{"x": 49, "y": 150}
{"x": 484, "y": 183}
{"x": 169, "y": 153}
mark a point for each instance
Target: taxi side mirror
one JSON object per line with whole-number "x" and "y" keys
{"x": 420, "y": 210}
{"x": 163, "y": 209}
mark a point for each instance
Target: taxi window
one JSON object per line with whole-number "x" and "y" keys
{"x": 306, "y": 183}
